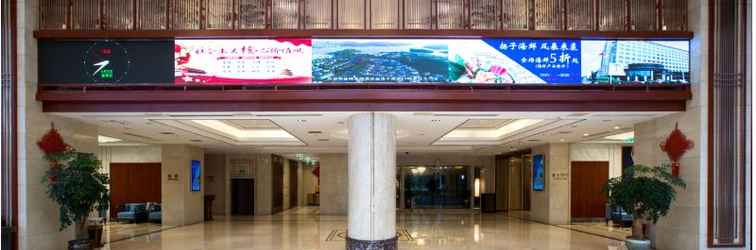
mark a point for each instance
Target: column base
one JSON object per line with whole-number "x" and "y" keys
{"x": 387, "y": 244}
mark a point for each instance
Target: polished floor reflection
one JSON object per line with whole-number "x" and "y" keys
{"x": 304, "y": 228}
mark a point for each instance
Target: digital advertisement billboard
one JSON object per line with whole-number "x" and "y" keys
{"x": 539, "y": 173}
{"x": 196, "y": 171}
{"x": 349, "y": 61}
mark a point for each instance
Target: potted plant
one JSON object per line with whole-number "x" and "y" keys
{"x": 75, "y": 183}
{"x": 645, "y": 192}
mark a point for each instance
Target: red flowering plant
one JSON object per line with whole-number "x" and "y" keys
{"x": 56, "y": 151}
{"x": 74, "y": 181}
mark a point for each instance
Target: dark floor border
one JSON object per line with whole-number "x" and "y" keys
{"x": 149, "y": 233}
{"x": 565, "y": 228}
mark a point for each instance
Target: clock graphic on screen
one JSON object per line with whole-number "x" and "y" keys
{"x": 106, "y": 62}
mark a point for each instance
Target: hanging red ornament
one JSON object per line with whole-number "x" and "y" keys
{"x": 52, "y": 142}
{"x": 675, "y": 146}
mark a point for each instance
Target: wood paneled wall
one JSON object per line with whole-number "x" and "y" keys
{"x": 133, "y": 182}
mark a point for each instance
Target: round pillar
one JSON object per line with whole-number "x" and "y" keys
{"x": 372, "y": 182}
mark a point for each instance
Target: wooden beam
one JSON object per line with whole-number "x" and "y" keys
{"x": 361, "y": 33}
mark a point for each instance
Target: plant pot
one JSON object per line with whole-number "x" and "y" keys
{"x": 95, "y": 235}
{"x": 84, "y": 244}
{"x": 637, "y": 244}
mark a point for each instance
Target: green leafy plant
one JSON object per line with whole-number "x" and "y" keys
{"x": 78, "y": 187}
{"x": 645, "y": 192}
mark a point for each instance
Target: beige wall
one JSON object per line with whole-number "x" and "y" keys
{"x": 333, "y": 185}
{"x": 180, "y": 206}
{"x": 552, "y": 205}
{"x": 37, "y": 214}
{"x": 287, "y": 185}
{"x": 515, "y": 196}
{"x": 217, "y": 181}
{"x": 684, "y": 227}
{"x": 308, "y": 183}
{"x": 263, "y": 185}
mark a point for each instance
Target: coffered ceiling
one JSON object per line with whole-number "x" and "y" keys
{"x": 327, "y": 132}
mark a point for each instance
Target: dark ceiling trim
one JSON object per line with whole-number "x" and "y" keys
{"x": 545, "y": 98}
{"x": 348, "y": 33}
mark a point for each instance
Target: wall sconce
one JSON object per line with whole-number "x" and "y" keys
{"x": 477, "y": 187}
{"x": 173, "y": 177}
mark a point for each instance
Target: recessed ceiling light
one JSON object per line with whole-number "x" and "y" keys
{"x": 565, "y": 132}
{"x": 314, "y": 132}
{"x": 617, "y": 127}
{"x": 167, "y": 133}
{"x": 195, "y": 140}
{"x": 627, "y": 136}
{"x": 302, "y": 120}
{"x": 323, "y": 140}
{"x": 586, "y": 134}
{"x": 435, "y": 120}
{"x": 561, "y": 140}
{"x": 107, "y": 139}
{"x": 533, "y": 140}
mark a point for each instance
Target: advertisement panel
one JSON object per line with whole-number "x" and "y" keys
{"x": 617, "y": 62}
{"x": 380, "y": 60}
{"x": 514, "y": 61}
{"x": 539, "y": 173}
{"x": 313, "y": 61}
{"x": 243, "y": 61}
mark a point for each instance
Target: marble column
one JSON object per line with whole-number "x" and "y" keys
{"x": 372, "y": 182}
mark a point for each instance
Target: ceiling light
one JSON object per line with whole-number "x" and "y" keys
{"x": 167, "y": 133}
{"x": 617, "y": 127}
{"x": 244, "y": 134}
{"x": 302, "y": 120}
{"x": 561, "y": 140}
{"x": 314, "y": 132}
{"x": 493, "y": 133}
{"x": 195, "y": 140}
{"x": 627, "y": 136}
{"x": 586, "y": 134}
{"x": 106, "y": 139}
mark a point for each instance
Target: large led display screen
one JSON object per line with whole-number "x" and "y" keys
{"x": 350, "y": 61}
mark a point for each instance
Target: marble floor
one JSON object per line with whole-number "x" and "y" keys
{"x": 305, "y": 228}
{"x": 115, "y": 231}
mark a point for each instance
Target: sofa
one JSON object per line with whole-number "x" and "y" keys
{"x": 154, "y": 214}
{"x": 132, "y": 212}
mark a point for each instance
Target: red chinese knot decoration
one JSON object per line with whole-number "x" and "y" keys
{"x": 675, "y": 146}
{"x": 52, "y": 143}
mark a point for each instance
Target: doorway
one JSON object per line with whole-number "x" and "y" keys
{"x": 293, "y": 183}
{"x": 437, "y": 187}
{"x": 242, "y": 196}
{"x": 587, "y": 199}
{"x": 134, "y": 183}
